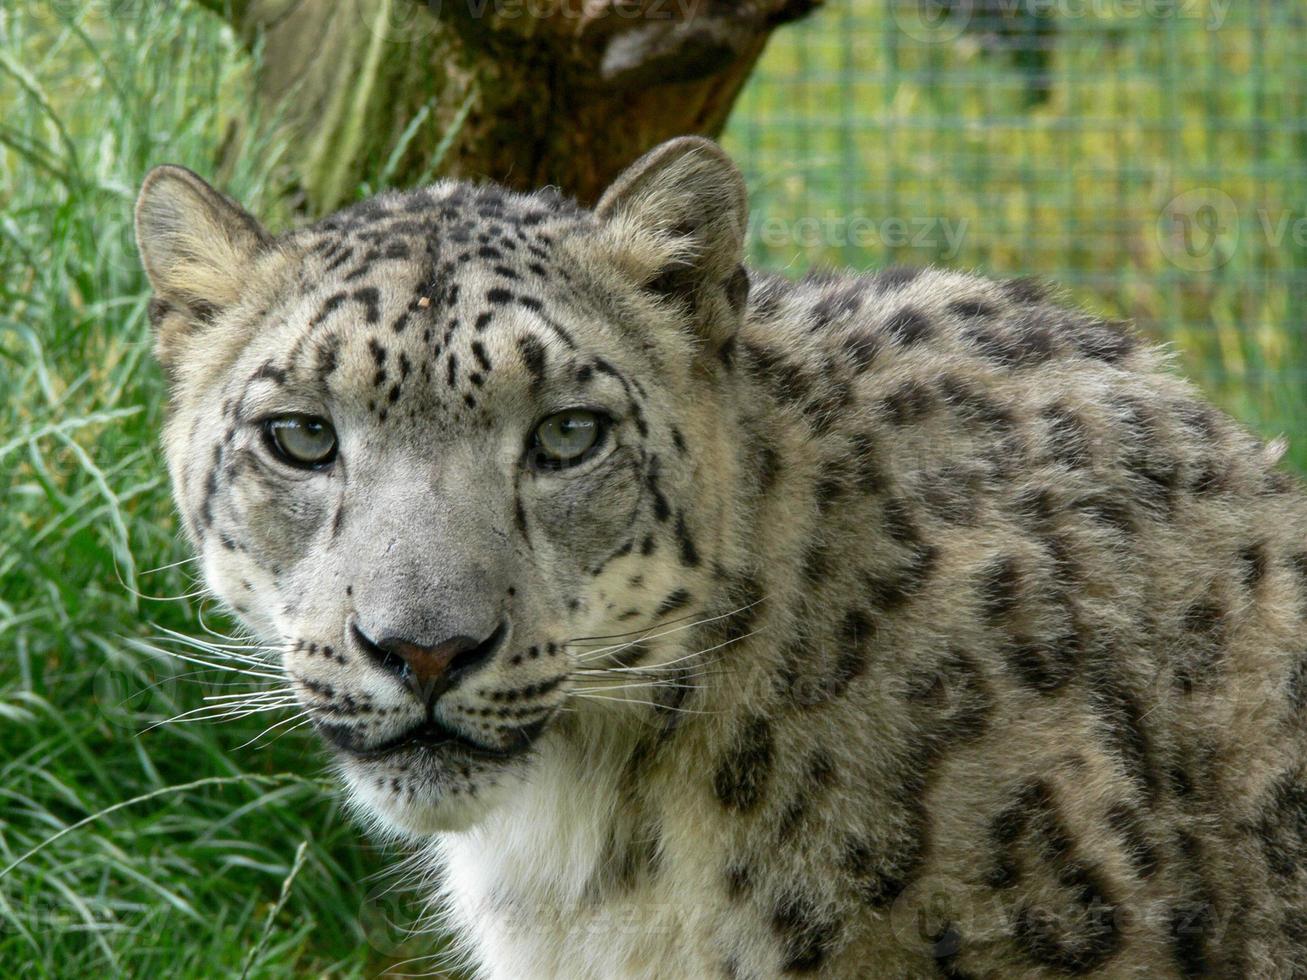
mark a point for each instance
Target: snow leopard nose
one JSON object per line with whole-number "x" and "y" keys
{"x": 429, "y": 671}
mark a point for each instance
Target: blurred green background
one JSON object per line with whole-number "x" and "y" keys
{"x": 1150, "y": 155}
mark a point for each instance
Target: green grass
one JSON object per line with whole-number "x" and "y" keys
{"x": 234, "y": 856}
{"x": 180, "y": 884}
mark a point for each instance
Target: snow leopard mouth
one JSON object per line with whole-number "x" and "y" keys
{"x": 429, "y": 736}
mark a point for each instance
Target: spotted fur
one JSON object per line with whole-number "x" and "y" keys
{"x": 907, "y": 625}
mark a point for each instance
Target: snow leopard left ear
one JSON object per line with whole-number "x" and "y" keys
{"x": 678, "y": 215}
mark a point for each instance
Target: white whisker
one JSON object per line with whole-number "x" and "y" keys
{"x": 210, "y": 645}
{"x": 602, "y": 651}
{"x": 199, "y": 661}
{"x": 219, "y": 712}
{"x": 275, "y": 692}
{"x": 656, "y": 668}
{"x": 643, "y": 685}
{"x": 292, "y": 728}
{"x": 165, "y": 644}
{"x": 285, "y": 721}
{"x": 212, "y": 632}
{"x": 679, "y": 676}
{"x": 651, "y": 704}
{"x": 578, "y": 640}
{"x": 164, "y": 568}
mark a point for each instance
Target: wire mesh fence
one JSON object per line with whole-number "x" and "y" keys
{"x": 1151, "y": 155}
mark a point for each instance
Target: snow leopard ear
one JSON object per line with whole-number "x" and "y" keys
{"x": 198, "y": 247}
{"x": 195, "y": 242}
{"x": 679, "y": 214}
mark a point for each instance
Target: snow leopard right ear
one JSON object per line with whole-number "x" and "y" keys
{"x": 198, "y": 247}
{"x": 195, "y": 242}
{"x": 677, "y": 217}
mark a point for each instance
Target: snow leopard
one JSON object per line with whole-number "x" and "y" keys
{"x": 687, "y": 620}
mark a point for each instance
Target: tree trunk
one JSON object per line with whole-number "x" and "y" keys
{"x": 523, "y": 92}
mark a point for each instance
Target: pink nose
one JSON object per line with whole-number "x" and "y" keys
{"x": 427, "y": 664}
{"x": 429, "y": 671}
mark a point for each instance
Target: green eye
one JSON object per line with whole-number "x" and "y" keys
{"x": 301, "y": 440}
{"x": 565, "y": 437}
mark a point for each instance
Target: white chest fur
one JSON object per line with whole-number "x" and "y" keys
{"x": 520, "y": 889}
